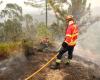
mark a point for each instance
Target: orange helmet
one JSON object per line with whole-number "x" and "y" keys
{"x": 69, "y": 17}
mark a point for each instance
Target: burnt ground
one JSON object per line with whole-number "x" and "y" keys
{"x": 19, "y": 67}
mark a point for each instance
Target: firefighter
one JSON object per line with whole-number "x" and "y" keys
{"x": 69, "y": 42}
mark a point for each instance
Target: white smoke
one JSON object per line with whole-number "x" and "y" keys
{"x": 89, "y": 46}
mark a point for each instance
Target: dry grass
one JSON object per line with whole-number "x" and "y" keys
{"x": 7, "y": 47}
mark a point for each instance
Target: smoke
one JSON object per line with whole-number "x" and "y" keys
{"x": 10, "y": 67}
{"x": 89, "y": 60}
{"x": 88, "y": 49}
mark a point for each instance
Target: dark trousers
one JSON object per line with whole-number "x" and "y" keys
{"x": 65, "y": 48}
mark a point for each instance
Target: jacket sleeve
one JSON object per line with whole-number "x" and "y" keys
{"x": 75, "y": 32}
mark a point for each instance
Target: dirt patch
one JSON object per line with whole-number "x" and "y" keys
{"x": 55, "y": 75}
{"x": 20, "y": 67}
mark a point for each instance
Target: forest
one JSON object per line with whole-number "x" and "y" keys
{"x": 28, "y": 41}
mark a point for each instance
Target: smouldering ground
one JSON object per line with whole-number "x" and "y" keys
{"x": 18, "y": 68}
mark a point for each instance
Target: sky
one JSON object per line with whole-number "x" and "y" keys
{"x": 95, "y": 3}
{"x": 36, "y": 12}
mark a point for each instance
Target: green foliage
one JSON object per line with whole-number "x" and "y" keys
{"x": 8, "y": 47}
{"x": 28, "y": 18}
{"x": 42, "y": 30}
{"x": 57, "y": 30}
{"x": 12, "y": 29}
{"x": 12, "y": 26}
{"x": 4, "y": 49}
{"x": 29, "y": 27}
{"x": 77, "y": 8}
{"x": 14, "y": 7}
{"x": 27, "y": 43}
{"x": 57, "y": 8}
{"x": 12, "y": 11}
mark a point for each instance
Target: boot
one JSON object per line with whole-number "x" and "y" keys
{"x": 68, "y": 62}
{"x": 55, "y": 66}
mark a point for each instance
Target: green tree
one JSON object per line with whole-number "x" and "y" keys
{"x": 12, "y": 17}
{"x": 57, "y": 30}
{"x": 12, "y": 29}
{"x": 29, "y": 27}
{"x": 1, "y": 31}
{"x": 12, "y": 11}
{"x": 42, "y": 30}
{"x": 35, "y": 4}
{"x": 77, "y": 8}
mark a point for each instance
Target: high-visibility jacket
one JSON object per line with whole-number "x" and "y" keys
{"x": 71, "y": 34}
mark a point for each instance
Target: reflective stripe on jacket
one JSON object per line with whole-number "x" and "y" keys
{"x": 71, "y": 34}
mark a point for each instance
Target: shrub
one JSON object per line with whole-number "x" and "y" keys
{"x": 7, "y": 47}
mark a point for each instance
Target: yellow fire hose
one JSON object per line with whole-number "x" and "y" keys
{"x": 31, "y": 76}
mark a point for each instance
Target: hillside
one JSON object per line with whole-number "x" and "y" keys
{"x": 18, "y": 68}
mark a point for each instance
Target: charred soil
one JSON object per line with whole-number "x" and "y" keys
{"x": 20, "y": 67}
